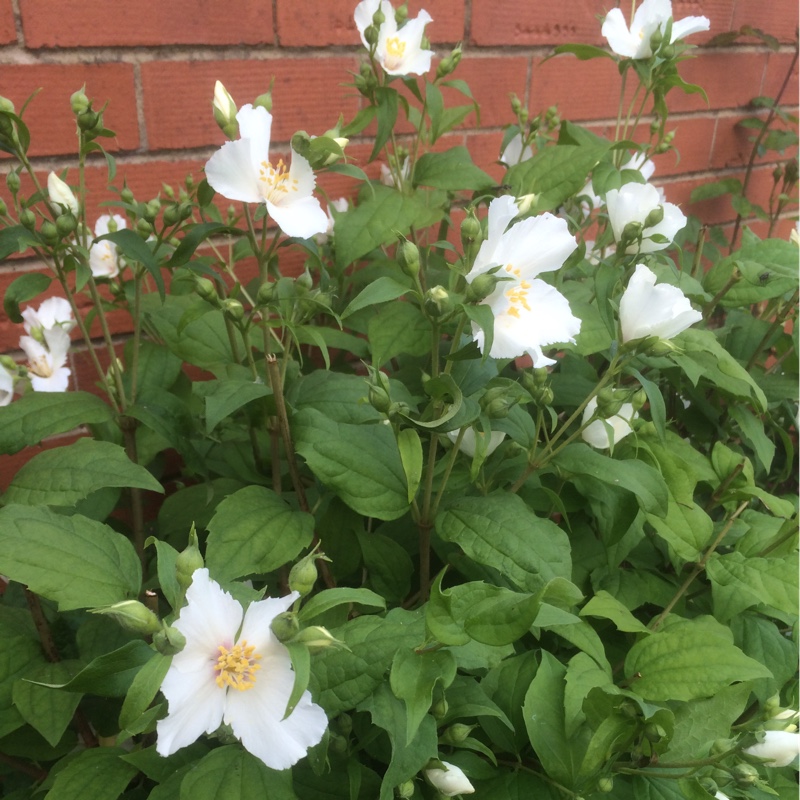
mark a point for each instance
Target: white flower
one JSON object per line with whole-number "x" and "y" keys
{"x": 649, "y": 310}
{"x": 634, "y": 202}
{"x": 234, "y": 670}
{"x": 794, "y": 235}
{"x": 241, "y": 170}
{"x": 596, "y": 433}
{"x": 61, "y": 196}
{"x": 103, "y": 255}
{"x": 651, "y": 16}
{"x": 529, "y": 314}
{"x": 340, "y": 206}
{"x": 55, "y": 312}
{"x": 721, "y": 796}
{"x": 450, "y": 781}
{"x": 387, "y": 178}
{"x": 515, "y": 153}
{"x": 469, "y": 441}
{"x": 47, "y": 360}
{"x": 778, "y": 747}
{"x": 399, "y": 52}
{"x": 645, "y": 166}
{"x": 6, "y": 386}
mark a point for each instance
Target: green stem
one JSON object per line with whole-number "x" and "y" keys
{"x": 776, "y": 323}
{"x": 450, "y": 464}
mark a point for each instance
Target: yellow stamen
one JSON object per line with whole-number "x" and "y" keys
{"x": 276, "y": 183}
{"x": 236, "y": 667}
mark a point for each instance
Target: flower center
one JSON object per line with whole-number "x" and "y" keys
{"x": 236, "y": 667}
{"x": 275, "y": 181}
{"x": 518, "y": 297}
{"x": 395, "y": 50}
{"x": 40, "y": 366}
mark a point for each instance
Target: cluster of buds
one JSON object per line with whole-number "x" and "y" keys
{"x": 537, "y": 382}
{"x": 449, "y": 63}
{"x": 90, "y": 122}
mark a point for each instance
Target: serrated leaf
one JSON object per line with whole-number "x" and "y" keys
{"x": 64, "y": 475}
{"x": 688, "y": 660}
{"x": 254, "y": 531}
{"x": 37, "y": 415}
{"x": 39, "y": 547}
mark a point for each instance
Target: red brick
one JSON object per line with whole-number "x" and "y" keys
{"x": 318, "y": 24}
{"x": 308, "y": 95}
{"x": 8, "y": 31}
{"x": 491, "y": 80}
{"x": 730, "y": 79}
{"x": 485, "y": 151}
{"x": 49, "y": 117}
{"x": 778, "y": 18}
{"x": 733, "y": 143}
{"x": 11, "y": 465}
{"x": 777, "y": 68}
{"x": 98, "y": 23}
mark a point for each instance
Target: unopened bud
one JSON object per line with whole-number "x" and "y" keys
{"x": 144, "y": 228}
{"x": 543, "y": 396}
{"x": 206, "y": 289}
{"x": 87, "y": 120}
{"x": 456, "y": 734}
{"x": 439, "y": 709}
{"x": 303, "y": 574}
{"x": 3, "y": 207}
{"x": 79, "y": 101}
{"x": 516, "y": 104}
{"x": 379, "y": 399}
{"x": 12, "y": 181}
{"x": 172, "y": 215}
{"x": 605, "y": 785}
{"x": 8, "y": 363}
{"x": 169, "y": 641}
{"x": 482, "y": 286}
{"x": 639, "y": 399}
{"x": 408, "y": 258}
{"x": 316, "y": 639}
{"x": 654, "y": 733}
{"x": 304, "y": 281}
{"x": 654, "y": 217}
{"x": 126, "y": 195}
{"x": 371, "y": 34}
{"x": 66, "y": 224}
{"x": 437, "y": 301}
{"x": 285, "y": 626}
{"x": 151, "y": 209}
{"x": 132, "y": 615}
{"x": 378, "y": 18}
{"x": 188, "y": 560}
{"x": 608, "y": 403}
{"x": 28, "y": 219}
{"x": 225, "y": 110}
{"x": 232, "y": 309}
{"x": 526, "y": 203}
{"x": 745, "y": 775}
{"x": 264, "y": 101}
{"x": 405, "y": 790}
{"x": 401, "y": 14}
{"x": 6, "y": 105}
{"x": 632, "y": 232}
{"x": 656, "y": 39}
{"x": 49, "y": 232}
{"x": 265, "y": 294}
{"x": 471, "y": 230}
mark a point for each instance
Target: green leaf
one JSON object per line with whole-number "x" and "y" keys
{"x": 301, "y": 666}
{"x": 439, "y": 616}
{"x": 453, "y": 170}
{"x": 224, "y": 397}
{"x": 17, "y": 239}
{"x": 111, "y": 674}
{"x": 555, "y": 173}
{"x": 605, "y": 606}
{"x": 143, "y": 689}
{"x": 752, "y": 430}
{"x": 255, "y": 531}
{"x": 583, "y": 51}
{"x": 22, "y": 289}
{"x": 687, "y": 660}
{"x": 378, "y": 291}
{"x": 378, "y": 220}
{"x": 507, "y": 685}
{"x": 686, "y": 528}
{"x": 331, "y": 598}
{"x": 739, "y": 582}
{"x": 398, "y": 329}
{"x": 386, "y": 108}
{"x": 360, "y": 463}
{"x": 99, "y": 773}
{"x": 194, "y": 237}
{"x": 134, "y": 248}
{"x": 64, "y": 475}
{"x": 410, "y": 447}
{"x": 413, "y": 678}
{"x": 338, "y": 396}
{"x": 231, "y": 773}
{"x": 630, "y": 474}
{"x": 501, "y": 618}
{"x": 500, "y": 531}
{"x": 36, "y": 415}
{"x": 39, "y": 547}
{"x": 545, "y": 722}
{"x": 708, "y": 191}
{"x": 46, "y": 710}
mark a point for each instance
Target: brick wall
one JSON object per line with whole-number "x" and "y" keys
{"x": 157, "y": 62}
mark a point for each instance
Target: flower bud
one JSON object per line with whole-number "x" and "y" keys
{"x": 656, "y": 39}
{"x": 6, "y": 105}
{"x": 456, "y": 734}
{"x": 9, "y": 364}
{"x": 12, "y": 181}
{"x": 516, "y": 104}
{"x": 710, "y": 785}
{"x": 654, "y": 733}
{"x": 144, "y": 228}
{"x": 88, "y": 120}
{"x": 169, "y": 641}
{"x": 225, "y": 111}
{"x": 304, "y": 281}
{"x": 303, "y": 574}
{"x": 745, "y": 775}
{"x": 408, "y": 257}
{"x": 66, "y": 224}
{"x": 61, "y": 196}
{"x": 482, "y": 286}
{"x": 608, "y": 403}
{"x": 437, "y": 301}
{"x": 79, "y": 101}
{"x": 543, "y": 396}
{"x": 132, "y": 615}
{"x": 49, "y": 232}
{"x": 126, "y": 195}
{"x": 316, "y": 639}
{"x": 401, "y": 14}
{"x": 172, "y": 215}
{"x": 206, "y": 289}
{"x": 605, "y": 785}
{"x": 471, "y": 230}
{"x": 405, "y": 790}
{"x": 371, "y": 34}
{"x": 379, "y": 399}
{"x": 439, "y": 709}
{"x": 654, "y": 217}
{"x": 265, "y": 294}
{"x": 232, "y": 309}
{"x": 188, "y": 560}
{"x": 526, "y": 203}
{"x": 450, "y": 781}
{"x": 151, "y": 209}
{"x": 632, "y": 232}
{"x": 3, "y": 207}
{"x": 285, "y": 626}
{"x": 28, "y": 219}
{"x": 264, "y": 101}
{"x": 343, "y": 724}
{"x": 378, "y": 18}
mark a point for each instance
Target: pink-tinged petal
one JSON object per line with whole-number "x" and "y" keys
{"x": 682, "y": 28}
{"x": 196, "y": 706}
{"x": 255, "y": 124}
{"x": 620, "y": 39}
{"x": 230, "y": 172}
{"x": 211, "y": 618}
{"x": 302, "y": 218}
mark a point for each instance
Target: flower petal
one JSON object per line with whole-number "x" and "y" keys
{"x": 615, "y": 29}
{"x": 302, "y": 218}
{"x": 681, "y": 28}
{"x": 230, "y": 172}
{"x": 255, "y": 124}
